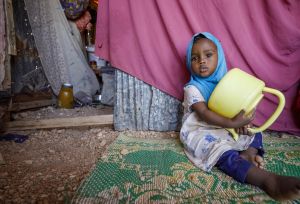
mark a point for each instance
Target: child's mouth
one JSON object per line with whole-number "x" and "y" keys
{"x": 203, "y": 69}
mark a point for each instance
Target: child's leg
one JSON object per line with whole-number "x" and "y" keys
{"x": 278, "y": 187}
{"x": 258, "y": 144}
{"x": 242, "y": 160}
{"x": 255, "y": 152}
{"x": 233, "y": 165}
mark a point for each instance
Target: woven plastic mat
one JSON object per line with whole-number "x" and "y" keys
{"x": 156, "y": 170}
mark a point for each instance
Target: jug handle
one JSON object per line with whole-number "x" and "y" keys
{"x": 233, "y": 133}
{"x": 273, "y": 117}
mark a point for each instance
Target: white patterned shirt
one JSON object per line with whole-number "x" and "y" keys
{"x": 203, "y": 143}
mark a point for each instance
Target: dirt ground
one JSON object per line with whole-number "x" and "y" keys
{"x": 50, "y": 165}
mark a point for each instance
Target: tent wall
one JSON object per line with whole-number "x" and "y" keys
{"x": 139, "y": 106}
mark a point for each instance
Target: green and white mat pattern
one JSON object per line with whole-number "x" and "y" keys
{"x": 156, "y": 170}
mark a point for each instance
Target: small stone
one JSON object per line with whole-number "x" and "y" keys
{"x": 51, "y": 151}
{"x": 257, "y": 199}
{"x": 94, "y": 130}
{"x": 60, "y": 188}
{"x": 21, "y": 150}
{"x": 60, "y": 131}
{"x": 104, "y": 156}
{"x": 28, "y": 162}
{"x": 99, "y": 135}
{"x": 103, "y": 143}
{"x": 124, "y": 151}
{"x": 44, "y": 196}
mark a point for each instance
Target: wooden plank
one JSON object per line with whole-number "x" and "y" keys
{"x": 99, "y": 120}
{"x": 30, "y": 105}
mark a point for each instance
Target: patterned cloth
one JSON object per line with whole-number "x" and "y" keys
{"x": 74, "y": 8}
{"x": 204, "y": 144}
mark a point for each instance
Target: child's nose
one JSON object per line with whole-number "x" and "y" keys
{"x": 202, "y": 60}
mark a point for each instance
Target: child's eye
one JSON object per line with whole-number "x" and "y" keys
{"x": 209, "y": 55}
{"x": 195, "y": 59}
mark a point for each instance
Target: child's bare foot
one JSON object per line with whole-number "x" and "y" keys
{"x": 283, "y": 187}
{"x": 251, "y": 155}
{"x": 278, "y": 187}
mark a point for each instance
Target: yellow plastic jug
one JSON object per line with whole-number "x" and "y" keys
{"x": 238, "y": 91}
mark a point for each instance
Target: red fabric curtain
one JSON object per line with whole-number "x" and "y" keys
{"x": 148, "y": 39}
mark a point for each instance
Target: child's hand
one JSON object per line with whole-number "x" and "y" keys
{"x": 244, "y": 130}
{"x": 241, "y": 120}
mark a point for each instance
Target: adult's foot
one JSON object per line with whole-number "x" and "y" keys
{"x": 251, "y": 155}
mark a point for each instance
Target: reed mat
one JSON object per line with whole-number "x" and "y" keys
{"x": 137, "y": 169}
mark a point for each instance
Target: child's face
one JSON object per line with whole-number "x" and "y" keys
{"x": 204, "y": 58}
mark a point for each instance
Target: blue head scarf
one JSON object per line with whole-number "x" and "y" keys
{"x": 206, "y": 85}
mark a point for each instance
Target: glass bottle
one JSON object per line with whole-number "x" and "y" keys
{"x": 65, "y": 96}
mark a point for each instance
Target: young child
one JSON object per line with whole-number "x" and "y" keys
{"x": 205, "y": 140}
